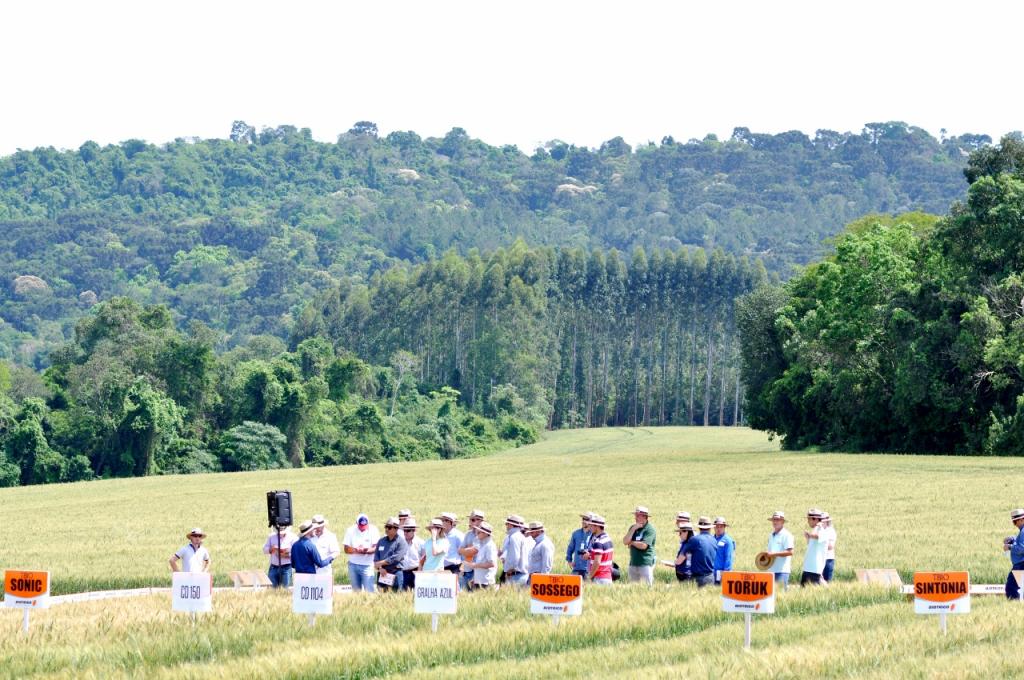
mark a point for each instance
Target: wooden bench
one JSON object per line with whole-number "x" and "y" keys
{"x": 250, "y": 579}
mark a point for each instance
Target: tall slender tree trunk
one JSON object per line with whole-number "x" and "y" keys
{"x": 707, "y": 379}
{"x": 736, "y": 403}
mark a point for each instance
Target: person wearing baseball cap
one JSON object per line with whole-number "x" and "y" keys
{"x": 725, "y": 549}
{"x": 640, "y": 539}
{"x": 485, "y": 563}
{"x": 305, "y": 556}
{"x": 780, "y": 549}
{"x": 359, "y": 543}
{"x": 579, "y": 542}
{"x": 601, "y": 552}
{"x": 469, "y": 547}
{"x": 193, "y": 556}
{"x": 515, "y": 552}
{"x": 1014, "y": 547}
{"x": 542, "y": 554}
{"x": 814, "y": 558}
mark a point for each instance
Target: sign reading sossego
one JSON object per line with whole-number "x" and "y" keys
{"x": 556, "y": 594}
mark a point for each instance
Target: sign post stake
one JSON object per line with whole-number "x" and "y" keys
{"x": 746, "y": 635}
{"x": 942, "y": 622}
{"x": 434, "y": 618}
{"x": 24, "y": 622}
{"x": 311, "y": 620}
{"x": 555, "y": 620}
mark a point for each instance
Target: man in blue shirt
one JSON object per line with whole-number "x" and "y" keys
{"x": 1015, "y": 548}
{"x": 579, "y": 544}
{"x": 701, "y": 551}
{"x": 305, "y": 555}
{"x": 387, "y": 558}
{"x": 725, "y": 548}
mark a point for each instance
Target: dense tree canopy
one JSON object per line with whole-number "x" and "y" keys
{"x": 910, "y": 337}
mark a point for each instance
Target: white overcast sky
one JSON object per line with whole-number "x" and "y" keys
{"x": 508, "y": 72}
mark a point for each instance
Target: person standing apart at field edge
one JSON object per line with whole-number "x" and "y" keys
{"x": 579, "y": 542}
{"x": 360, "y": 542}
{"x": 305, "y": 556}
{"x": 453, "y": 560}
{"x": 542, "y": 554}
{"x": 725, "y": 549}
{"x": 814, "y": 558}
{"x": 194, "y": 557}
{"x": 326, "y": 542}
{"x": 515, "y": 552}
{"x": 485, "y": 563}
{"x": 435, "y": 547}
{"x": 827, "y": 534}
{"x": 780, "y": 548}
{"x": 1014, "y": 547}
{"x": 601, "y": 552}
{"x": 279, "y": 547}
{"x": 411, "y": 561}
{"x": 470, "y": 545}
{"x": 640, "y": 538}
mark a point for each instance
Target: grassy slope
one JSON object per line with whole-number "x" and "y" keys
{"x": 906, "y": 512}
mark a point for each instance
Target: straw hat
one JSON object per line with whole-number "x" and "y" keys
{"x": 404, "y": 512}
{"x": 450, "y": 516}
{"x": 704, "y": 522}
{"x": 684, "y": 526}
{"x": 720, "y": 521}
{"x": 641, "y": 510}
{"x": 410, "y": 523}
{"x": 1016, "y": 514}
{"x": 814, "y": 512}
{"x": 516, "y": 521}
{"x": 763, "y": 561}
{"x": 196, "y": 532}
{"x": 682, "y": 516}
{"x": 535, "y": 526}
{"x": 597, "y": 520}
{"x": 485, "y": 528}
{"x": 778, "y": 514}
{"x": 586, "y": 516}
{"x": 825, "y": 517}
{"x": 392, "y": 522}
{"x": 306, "y": 527}
{"x": 435, "y": 523}
{"x": 319, "y": 520}
{"x": 477, "y": 514}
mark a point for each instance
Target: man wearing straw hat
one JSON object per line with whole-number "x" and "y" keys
{"x": 725, "y": 549}
{"x": 601, "y": 552}
{"x": 411, "y": 561}
{"x": 640, "y": 538}
{"x": 305, "y": 555}
{"x": 470, "y": 545}
{"x": 193, "y": 556}
{"x": 683, "y": 517}
{"x": 387, "y": 558}
{"x": 700, "y": 550}
{"x": 579, "y": 542}
{"x": 279, "y": 546}
{"x": 515, "y": 552}
{"x": 453, "y": 560}
{"x": 485, "y": 563}
{"x": 326, "y": 542}
{"x": 814, "y": 558}
{"x": 780, "y": 549}
{"x": 1014, "y": 547}
{"x": 827, "y": 535}
{"x": 542, "y": 555}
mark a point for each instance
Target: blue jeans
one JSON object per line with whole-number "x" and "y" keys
{"x": 783, "y": 579}
{"x": 1012, "y": 589}
{"x": 830, "y": 567}
{"x": 703, "y": 580}
{"x": 362, "y": 577}
{"x": 280, "y": 576}
{"x": 465, "y": 578}
{"x": 580, "y": 572}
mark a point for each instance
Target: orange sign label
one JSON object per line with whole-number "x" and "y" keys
{"x": 26, "y": 584}
{"x": 555, "y": 588}
{"x": 941, "y": 586}
{"x": 747, "y": 586}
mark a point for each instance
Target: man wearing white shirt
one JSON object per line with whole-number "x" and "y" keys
{"x": 814, "y": 558}
{"x": 827, "y": 533}
{"x": 326, "y": 542}
{"x": 780, "y": 547}
{"x": 360, "y": 542}
{"x": 453, "y": 560}
{"x": 411, "y": 561}
{"x": 193, "y": 556}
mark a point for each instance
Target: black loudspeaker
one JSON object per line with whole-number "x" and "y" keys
{"x": 279, "y": 508}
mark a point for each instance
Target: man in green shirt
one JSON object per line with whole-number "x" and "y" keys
{"x": 640, "y": 539}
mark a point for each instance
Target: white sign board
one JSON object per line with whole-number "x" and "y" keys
{"x": 312, "y": 594}
{"x": 436, "y": 592}
{"x": 191, "y": 592}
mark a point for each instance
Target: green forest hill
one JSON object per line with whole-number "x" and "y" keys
{"x": 238, "y": 233}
